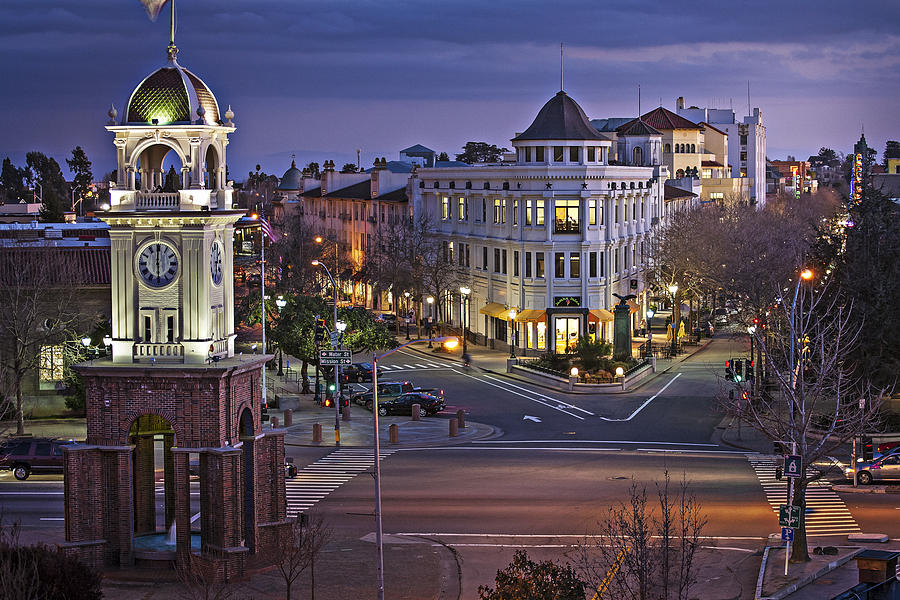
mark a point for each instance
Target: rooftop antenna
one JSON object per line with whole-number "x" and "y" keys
{"x": 749, "y": 110}
{"x": 639, "y": 102}
{"x": 561, "y": 88}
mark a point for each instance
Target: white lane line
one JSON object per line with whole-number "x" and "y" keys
{"x": 529, "y": 449}
{"x": 540, "y": 395}
{"x": 53, "y": 518}
{"x": 32, "y": 493}
{"x": 689, "y": 451}
{"x": 577, "y": 536}
{"x": 592, "y": 442}
{"x": 642, "y": 406}
{"x": 537, "y": 400}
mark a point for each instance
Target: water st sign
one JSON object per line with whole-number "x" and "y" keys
{"x": 793, "y": 466}
{"x": 335, "y": 357}
{"x": 789, "y": 516}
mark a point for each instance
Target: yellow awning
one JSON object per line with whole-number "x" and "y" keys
{"x": 495, "y": 309}
{"x": 530, "y": 314}
{"x": 602, "y": 314}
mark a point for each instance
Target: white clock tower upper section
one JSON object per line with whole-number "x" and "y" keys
{"x": 171, "y": 232}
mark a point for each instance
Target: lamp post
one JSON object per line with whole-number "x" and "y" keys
{"x": 751, "y": 331}
{"x": 805, "y": 275}
{"x": 337, "y": 368}
{"x": 512, "y": 332}
{"x": 107, "y": 343}
{"x": 449, "y": 342}
{"x": 650, "y": 313}
{"x": 406, "y": 295}
{"x": 465, "y": 291}
{"x": 280, "y": 302}
{"x": 673, "y": 289}
{"x": 430, "y": 301}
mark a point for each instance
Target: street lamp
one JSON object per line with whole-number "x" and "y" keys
{"x": 512, "y": 332}
{"x": 280, "y": 302}
{"x": 449, "y": 342}
{"x": 406, "y": 295}
{"x": 430, "y": 300}
{"x": 465, "y": 316}
{"x": 650, "y": 313}
{"x": 673, "y": 289}
{"x": 337, "y": 368}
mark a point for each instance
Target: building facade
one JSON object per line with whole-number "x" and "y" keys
{"x": 552, "y": 236}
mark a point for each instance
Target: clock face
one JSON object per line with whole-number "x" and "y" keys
{"x": 158, "y": 265}
{"x": 215, "y": 263}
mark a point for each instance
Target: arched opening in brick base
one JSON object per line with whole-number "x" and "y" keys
{"x": 153, "y": 438}
{"x": 248, "y": 440}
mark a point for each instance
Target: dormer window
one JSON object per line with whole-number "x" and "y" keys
{"x": 539, "y": 154}
{"x": 558, "y": 153}
{"x": 527, "y": 154}
{"x": 573, "y": 154}
{"x": 592, "y": 154}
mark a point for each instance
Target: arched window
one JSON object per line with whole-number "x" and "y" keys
{"x": 668, "y": 149}
{"x": 452, "y": 185}
{"x": 505, "y": 185}
{"x": 693, "y": 148}
{"x": 637, "y": 157}
{"x": 436, "y": 185}
{"x": 487, "y": 185}
{"x": 468, "y": 187}
{"x": 613, "y": 185}
{"x": 632, "y": 185}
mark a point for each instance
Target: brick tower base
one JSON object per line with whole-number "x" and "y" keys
{"x": 209, "y": 411}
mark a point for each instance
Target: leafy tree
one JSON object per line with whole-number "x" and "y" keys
{"x": 313, "y": 170}
{"x": 524, "y": 578}
{"x": 364, "y": 333}
{"x": 80, "y": 167}
{"x": 12, "y": 186}
{"x": 349, "y": 168}
{"x": 479, "y": 152}
{"x": 54, "y": 189}
{"x": 443, "y": 157}
{"x": 827, "y": 155}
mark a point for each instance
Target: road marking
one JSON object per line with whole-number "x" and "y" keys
{"x": 32, "y": 493}
{"x": 559, "y": 403}
{"x": 316, "y": 480}
{"x": 825, "y": 514}
{"x": 548, "y": 405}
{"x": 592, "y": 442}
{"x": 577, "y": 536}
{"x": 642, "y": 406}
{"x": 530, "y": 418}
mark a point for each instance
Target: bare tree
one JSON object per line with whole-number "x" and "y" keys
{"x": 642, "y": 551}
{"x": 36, "y": 291}
{"x": 20, "y": 574}
{"x": 820, "y": 404}
{"x": 297, "y": 548}
{"x": 199, "y": 581}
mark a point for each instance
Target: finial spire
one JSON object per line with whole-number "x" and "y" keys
{"x": 561, "y": 88}
{"x": 172, "y": 49}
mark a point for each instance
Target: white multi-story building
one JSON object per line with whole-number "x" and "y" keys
{"x": 552, "y": 236}
{"x": 746, "y": 143}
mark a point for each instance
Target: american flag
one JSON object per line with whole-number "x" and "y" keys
{"x": 266, "y": 227}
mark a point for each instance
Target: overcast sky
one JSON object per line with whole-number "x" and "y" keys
{"x": 321, "y": 79}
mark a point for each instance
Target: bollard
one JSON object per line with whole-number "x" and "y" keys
{"x": 317, "y": 432}
{"x": 461, "y": 418}
{"x": 454, "y": 427}
{"x": 274, "y": 422}
{"x": 288, "y": 417}
{"x": 394, "y": 433}
{"x": 416, "y": 408}
{"x": 345, "y": 412}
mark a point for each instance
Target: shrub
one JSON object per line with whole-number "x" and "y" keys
{"x": 591, "y": 352}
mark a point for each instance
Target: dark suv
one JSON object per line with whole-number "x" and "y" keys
{"x": 25, "y": 456}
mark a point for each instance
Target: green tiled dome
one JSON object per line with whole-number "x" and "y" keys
{"x": 171, "y": 95}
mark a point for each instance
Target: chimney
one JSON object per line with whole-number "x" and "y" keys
{"x": 679, "y": 103}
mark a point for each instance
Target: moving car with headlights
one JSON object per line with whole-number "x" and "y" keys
{"x": 403, "y": 404}
{"x": 359, "y": 372}
{"x": 886, "y": 467}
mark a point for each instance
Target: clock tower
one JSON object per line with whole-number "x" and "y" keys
{"x": 173, "y": 398}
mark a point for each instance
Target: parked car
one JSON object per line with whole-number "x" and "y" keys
{"x": 720, "y": 316}
{"x": 402, "y": 405}
{"x": 392, "y": 389}
{"x": 24, "y": 456}
{"x": 886, "y": 467}
{"x": 359, "y": 372}
{"x": 254, "y": 280}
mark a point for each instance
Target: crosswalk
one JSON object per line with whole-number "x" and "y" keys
{"x": 826, "y": 513}
{"x": 419, "y": 365}
{"x": 316, "y": 480}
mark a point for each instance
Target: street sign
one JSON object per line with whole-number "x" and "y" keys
{"x": 793, "y": 467}
{"x": 787, "y": 534}
{"x": 335, "y": 357}
{"x": 789, "y": 516}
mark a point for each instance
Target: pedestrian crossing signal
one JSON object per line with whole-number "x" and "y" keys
{"x": 729, "y": 373}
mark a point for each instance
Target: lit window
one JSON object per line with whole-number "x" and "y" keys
{"x": 529, "y": 206}
{"x": 498, "y": 211}
{"x": 515, "y": 212}
{"x": 51, "y": 365}
{"x": 539, "y": 264}
{"x": 445, "y": 208}
{"x": 463, "y": 209}
{"x": 539, "y": 217}
{"x": 567, "y": 220}
{"x": 592, "y": 211}
{"x": 574, "y": 265}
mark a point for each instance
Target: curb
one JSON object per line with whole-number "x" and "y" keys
{"x": 868, "y": 489}
{"x": 787, "y": 591}
{"x": 721, "y": 437}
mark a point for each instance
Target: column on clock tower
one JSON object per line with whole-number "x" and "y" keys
{"x": 195, "y": 313}
{"x": 123, "y": 287}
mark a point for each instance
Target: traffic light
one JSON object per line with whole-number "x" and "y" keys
{"x": 729, "y": 374}
{"x": 320, "y": 331}
{"x": 779, "y": 472}
{"x": 749, "y": 374}
{"x": 738, "y": 370}
{"x": 745, "y": 396}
